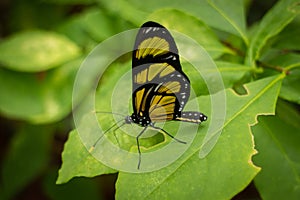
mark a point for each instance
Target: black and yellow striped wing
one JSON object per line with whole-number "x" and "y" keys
{"x": 160, "y": 87}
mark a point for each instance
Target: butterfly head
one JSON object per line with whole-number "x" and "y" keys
{"x": 137, "y": 119}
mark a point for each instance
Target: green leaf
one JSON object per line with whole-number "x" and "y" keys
{"x": 290, "y": 62}
{"x": 289, "y": 37}
{"x": 224, "y": 15}
{"x": 35, "y": 51}
{"x": 191, "y": 26}
{"x": 232, "y": 73}
{"x": 288, "y": 113}
{"x": 74, "y": 30}
{"x": 110, "y": 24}
{"x": 235, "y": 140}
{"x": 290, "y": 86}
{"x": 272, "y": 23}
{"x": 228, "y": 165}
{"x": 277, "y": 140}
{"x": 38, "y": 98}
{"x": 27, "y": 157}
{"x": 77, "y": 161}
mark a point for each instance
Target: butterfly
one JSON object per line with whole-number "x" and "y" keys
{"x": 160, "y": 89}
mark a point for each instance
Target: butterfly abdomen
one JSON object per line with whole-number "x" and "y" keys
{"x": 191, "y": 116}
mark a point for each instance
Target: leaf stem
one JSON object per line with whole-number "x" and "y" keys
{"x": 234, "y": 49}
{"x": 274, "y": 67}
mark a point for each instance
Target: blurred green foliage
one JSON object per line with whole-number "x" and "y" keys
{"x": 43, "y": 44}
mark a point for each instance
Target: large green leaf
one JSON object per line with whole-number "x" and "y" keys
{"x": 193, "y": 175}
{"x": 27, "y": 157}
{"x": 272, "y": 23}
{"x": 78, "y": 162}
{"x": 224, "y": 15}
{"x": 228, "y": 165}
{"x": 38, "y": 98}
{"x": 192, "y": 27}
{"x": 277, "y": 140}
{"x": 35, "y": 51}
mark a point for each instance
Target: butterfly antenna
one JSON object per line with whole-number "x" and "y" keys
{"x": 162, "y": 130}
{"x": 113, "y": 113}
{"x": 94, "y": 145}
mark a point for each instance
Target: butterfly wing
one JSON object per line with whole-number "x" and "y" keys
{"x": 154, "y": 44}
{"x": 160, "y": 88}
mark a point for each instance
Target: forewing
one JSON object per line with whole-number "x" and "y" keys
{"x": 154, "y": 44}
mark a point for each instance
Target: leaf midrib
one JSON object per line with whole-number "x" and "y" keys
{"x": 245, "y": 39}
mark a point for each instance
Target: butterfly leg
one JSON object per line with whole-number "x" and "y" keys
{"x": 94, "y": 145}
{"x": 114, "y": 132}
{"x": 162, "y": 130}
{"x": 138, "y": 145}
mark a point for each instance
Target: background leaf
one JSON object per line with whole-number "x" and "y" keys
{"x": 288, "y": 38}
{"x": 35, "y": 51}
{"x": 223, "y": 15}
{"x": 232, "y": 74}
{"x": 18, "y": 169}
{"x": 290, "y": 63}
{"x": 191, "y": 26}
{"x": 278, "y": 154}
{"x": 273, "y": 22}
{"x": 77, "y": 189}
{"x": 46, "y": 97}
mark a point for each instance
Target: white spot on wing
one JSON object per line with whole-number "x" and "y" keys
{"x": 148, "y": 30}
